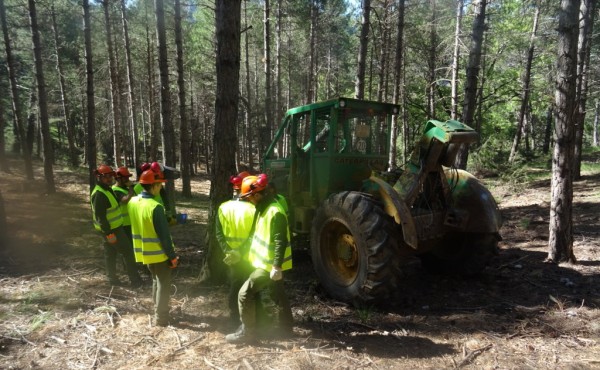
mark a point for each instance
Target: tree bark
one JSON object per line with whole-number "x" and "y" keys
{"x": 91, "y": 149}
{"x": 359, "y": 87}
{"x": 456, "y": 61}
{"x": 596, "y": 118}
{"x": 168, "y": 132}
{"x": 548, "y": 130}
{"x": 267, "y": 71}
{"x": 526, "y": 86}
{"x": 560, "y": 243}
{"x": 3, "y": 162}
{"x": 152, "y": 153}
{"x": 398, "y": 85}
{"x": 132, "y": 102}
{"x": 431, "y": 63}
{"x": 249, "y": 106}
{"x": 184, "y": 137}
{"x": 228, "y": 13}
{"x": 63, "y": 93}
{"x": 471, "y": 82}
{"x": 586, "y": 25}
{"x": 114, "y": 86}
{"x": 42, "y": 99}
{"x": 383, "y": 53}
{"x": 17, "y": 109}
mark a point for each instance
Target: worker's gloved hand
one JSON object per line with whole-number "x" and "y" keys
{"x": 174, "y": 262}
{"x": 172, "y": 220}
{"x": 276, "y": 273}
{"x": 232, "y": 257}
{"x": 111, "y": 238}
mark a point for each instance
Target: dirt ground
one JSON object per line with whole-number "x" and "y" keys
{"x": 57, "y": 312}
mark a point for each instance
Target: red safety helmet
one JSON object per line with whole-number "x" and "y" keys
{"x": 145, "y": 166}
{"x": 150, "y": 177}
{"x": 123, "y": 172}
{"x": 236, "y": 181}
{"x": 104, "y": 170}
{"x": 157, "y": 167}
{"x": 254, "y": 184}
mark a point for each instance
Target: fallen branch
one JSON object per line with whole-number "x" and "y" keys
{"x": 471, "y": 356}
{"x": 59, "y": 340}
{"x": 211, "y": 364}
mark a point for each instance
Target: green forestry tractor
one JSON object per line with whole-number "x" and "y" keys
{"x": 329, "y": 159}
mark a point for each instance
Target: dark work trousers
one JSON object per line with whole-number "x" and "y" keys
{"x": 272, "y": 298}
{"x": 161, "y": 291}
{"x": 238, "y": 274}
{"x": 125, "y": 248}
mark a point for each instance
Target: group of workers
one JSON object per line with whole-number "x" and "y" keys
{"x": 251, "y": 229}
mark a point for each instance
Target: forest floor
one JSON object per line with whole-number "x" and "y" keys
{"x": 57, "y": 311}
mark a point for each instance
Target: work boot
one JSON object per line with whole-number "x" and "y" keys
{"x": 242, "y": 335}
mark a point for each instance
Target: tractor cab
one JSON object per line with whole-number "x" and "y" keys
{"x": 324, "y": 148}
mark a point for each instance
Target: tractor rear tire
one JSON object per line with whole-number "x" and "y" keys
{"x": 464, "y": 254}
{"x": 354, "y": 247}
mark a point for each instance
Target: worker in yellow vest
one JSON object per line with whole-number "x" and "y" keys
{"x": 152, "y": 242}
{"x": 232, "y": 228}
{"x": 124, "y": 191}
{"x": 108, "y": 220}
{"x": 270, "y": 254}
{"x": 161, "y": 197}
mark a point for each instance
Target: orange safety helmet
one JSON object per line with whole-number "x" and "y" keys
{"x": 104, "y": 170}
{"x": 236, "y": 181}
{"x": 150, "y": 177}
{"x": 123, "y": 172}
{"x": 254, "y": 184}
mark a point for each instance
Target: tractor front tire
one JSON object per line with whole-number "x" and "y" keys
{"x": 354, "y": 249}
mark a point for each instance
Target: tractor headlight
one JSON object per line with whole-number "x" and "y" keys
{"x": 395, "y": 110}
{"x": 342, "y": 103}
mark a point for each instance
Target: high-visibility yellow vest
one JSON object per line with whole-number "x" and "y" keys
{"x": 113, "y": 214}
{"x": 120, "y": 192}
{"x": 236, "y": 218}
{"x": 262, "y": 247}
{"x": 138, "y": 188}
{"x": 284, "y": 205}
{"x": 146, "y": 244}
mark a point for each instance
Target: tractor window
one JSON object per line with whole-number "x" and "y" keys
{"x": 322, "y": 129}
{"x": 362, "y": 132}
{"x": 301, "y": 125}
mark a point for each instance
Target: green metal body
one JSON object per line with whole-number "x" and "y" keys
{"x": 343, "y": 145}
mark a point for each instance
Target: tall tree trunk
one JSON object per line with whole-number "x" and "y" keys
{"x": 359, "y": 86}
{"x": 42, "y": 99}
{"x": 249, "y": 106}
{"x": 596, "y": 118}
{"x": 91, "y": 149}
{"x": 526, "y": 77}
{"x": 63, "y": 93}
{"x": 17, "y": 109}
{"x": 184, "y": 137}
{"x": 398, "y": 85}
{"x": 456, "y": 61}
{"x": 310, "y": 91}
{"x": 560, "y": 243}
{"x": 471, "y": 84}
{"x": 278, "y": 96}
{"x": 431, "y": 62}
{"x": 383, "y": 53}
{"x": 114, "y": 86}
{"x": 152, "y": 154}
{"x": 3, "y": 162}
{"x": 267, "y": 71}
{"x": 547, "y": 130}
{"x": 228, "y": 13}
{"x": 586, "y": 25}
{"x": 168, "y": 132}
{"x": 132, "y": 102}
